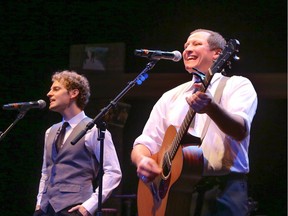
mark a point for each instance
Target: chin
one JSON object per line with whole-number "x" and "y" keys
{"x": 52, "y": 108}
{"x": 189, "y": 69}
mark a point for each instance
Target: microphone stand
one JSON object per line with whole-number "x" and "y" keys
{"x": 20, "y": 115}
{"x": 102, "y": 125}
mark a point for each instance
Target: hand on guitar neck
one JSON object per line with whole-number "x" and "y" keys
{"x": 200, "y": 102}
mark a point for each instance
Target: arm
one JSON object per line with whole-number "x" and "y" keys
{"x": 232, "y": 125}
{"x": 41, "y": 186}
{"x": 240, "y": 103}
{"x": 138, "y": 153}
{"x": 167, "y": 111}
{"x": 43, "y": 176}
{"x": 149, "y": 142}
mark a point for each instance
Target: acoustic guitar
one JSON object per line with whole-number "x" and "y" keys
{"x": 182, "y": 164}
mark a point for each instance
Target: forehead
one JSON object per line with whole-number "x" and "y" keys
{"x": 57, "y": 83}
{"x": 199, "y": 36}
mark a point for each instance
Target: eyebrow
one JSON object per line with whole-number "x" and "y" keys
{"x": 56, "y": 87}
{"x": 192, "y": 41}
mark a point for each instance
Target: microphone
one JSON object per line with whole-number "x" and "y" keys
{"x": 158, "y": 54}
{"x": 40, "y": 104}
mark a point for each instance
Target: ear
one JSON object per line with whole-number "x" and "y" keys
{"x": 216, "y": 54}
{"x": 74, "y": 93}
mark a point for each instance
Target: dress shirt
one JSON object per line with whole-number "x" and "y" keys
{"x": 222, "y": 154}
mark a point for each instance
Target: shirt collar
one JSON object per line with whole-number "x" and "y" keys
{"x": 215, "y": 77}
{"x": 76, "y": 119}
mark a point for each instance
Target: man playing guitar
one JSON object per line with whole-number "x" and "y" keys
{"x": 224, "y": 143}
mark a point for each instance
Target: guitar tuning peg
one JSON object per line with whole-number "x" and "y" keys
{"x": 229, "y": 64}
{"x": 236, "y": 58}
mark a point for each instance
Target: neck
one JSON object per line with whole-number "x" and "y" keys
{"x": 70, "y": 113}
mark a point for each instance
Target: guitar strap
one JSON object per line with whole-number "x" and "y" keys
{"x": 217, "y": 97}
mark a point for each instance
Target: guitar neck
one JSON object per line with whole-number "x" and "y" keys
{"x": 188, "y": 119}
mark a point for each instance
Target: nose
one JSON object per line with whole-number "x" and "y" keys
{"x": 49, "y": 94}
{"x": 188, "y": 49}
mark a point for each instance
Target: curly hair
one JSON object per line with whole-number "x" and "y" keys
{"x": 72, "y": 80}
{"x": 215, "y": 40}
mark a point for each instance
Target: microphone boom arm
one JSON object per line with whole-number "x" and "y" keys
{"x": 138, "y": 80}
{"x": 20, "y": 115}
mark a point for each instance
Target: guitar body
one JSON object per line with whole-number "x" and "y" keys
{"x": 180, "y": 194}
{"x": 152, "y": 198}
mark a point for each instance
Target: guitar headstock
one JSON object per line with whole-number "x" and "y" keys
{"x": 227, "y": 55}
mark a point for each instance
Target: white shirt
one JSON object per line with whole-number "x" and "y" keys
{"x": 111, "y": 167}
{"x": 221, "y": 152}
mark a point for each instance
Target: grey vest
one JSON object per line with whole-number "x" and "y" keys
{"x": 70, "y": 172}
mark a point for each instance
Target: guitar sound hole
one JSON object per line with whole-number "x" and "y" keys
{"x": 163, "y": 187}
{"x": 166, "y": 167}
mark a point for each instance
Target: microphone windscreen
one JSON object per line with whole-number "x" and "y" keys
{"x": 42, "y": 104}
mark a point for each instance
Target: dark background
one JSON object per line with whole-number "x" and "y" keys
{"x": 35, "y": 39}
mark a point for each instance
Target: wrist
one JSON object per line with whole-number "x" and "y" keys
{"x": 212, "y": 109}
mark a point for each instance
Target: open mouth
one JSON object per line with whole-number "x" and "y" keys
{"x": 52, "y": 100}
{"x": 191, "y": 57}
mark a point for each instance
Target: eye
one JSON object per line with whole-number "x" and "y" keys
{"x": 56, "y": 89}
{"x": 185, "y": 46}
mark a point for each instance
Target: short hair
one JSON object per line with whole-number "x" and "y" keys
{"x": 215, "y": 40}
{"x": 72, "y": 80}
